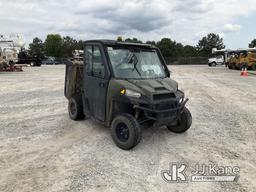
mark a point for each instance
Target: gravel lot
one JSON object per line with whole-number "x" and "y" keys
{"x": 41, "y": 149}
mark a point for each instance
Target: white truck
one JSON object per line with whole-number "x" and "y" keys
{"x": 217, "y": 60}
{"x": 9, "y": 55}
{"x": 10, "y": 46}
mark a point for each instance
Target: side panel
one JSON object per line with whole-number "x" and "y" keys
{"x": 95, "y": 97}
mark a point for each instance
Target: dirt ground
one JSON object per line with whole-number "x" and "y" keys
{"x": 41, "y": 149}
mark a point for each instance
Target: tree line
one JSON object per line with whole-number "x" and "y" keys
{"x": 55, "y": 46}
{"x": 62, "y": 47}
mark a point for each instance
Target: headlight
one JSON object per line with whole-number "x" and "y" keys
{"x": 130, "y": 93}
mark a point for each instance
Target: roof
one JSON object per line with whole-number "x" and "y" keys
{"x": 113, "y": 42}
{"x": 234, "y": 51}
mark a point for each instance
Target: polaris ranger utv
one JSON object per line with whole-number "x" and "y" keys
{"x": 125, "y": 86}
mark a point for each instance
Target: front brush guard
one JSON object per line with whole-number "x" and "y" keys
{"x": 164, "y": 116}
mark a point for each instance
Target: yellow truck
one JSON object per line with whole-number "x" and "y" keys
{"x": 242, "y": 59}
{"x": 249, "y": 60}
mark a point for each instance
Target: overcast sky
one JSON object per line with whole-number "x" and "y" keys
{"x": 185, "y": 21}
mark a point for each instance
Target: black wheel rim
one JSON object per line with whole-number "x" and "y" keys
{"x": 72, "y": 108}
{"x": 122, "y": 132}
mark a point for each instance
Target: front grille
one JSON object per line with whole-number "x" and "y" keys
{"x": 167, "y": 109}
{"x": 163, "y": 96}
{"x": 166, "y": 105}
{"x": 167, "y": 114}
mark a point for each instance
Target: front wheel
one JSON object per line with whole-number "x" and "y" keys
{"x": 125, "y": 131}
{"x": 183, "y": 123}
{"x": 75, "y": 108}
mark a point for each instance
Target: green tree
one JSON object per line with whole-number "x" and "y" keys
{"x": 151, "y": 42}
{"x": 170, "y": 48}
{"x": 69, "y": 45}
{"x": 165, "y": 47}
{"x": 189, "y": 51}
{"x": 178, "y": 49}
{"x": 36, "y": 48}
{"x": 80, "y": 45}
{"x": 207, "y": 43}
{"x": 252, "y": 44}
{"x": 53, "y": 45}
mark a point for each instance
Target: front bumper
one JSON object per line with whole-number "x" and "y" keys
{"x": 163, "y": 111}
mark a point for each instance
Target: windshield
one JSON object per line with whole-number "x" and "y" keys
{"x": 136, "y": 63}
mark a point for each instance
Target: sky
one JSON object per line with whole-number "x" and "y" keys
{"x": 184, "y": 21}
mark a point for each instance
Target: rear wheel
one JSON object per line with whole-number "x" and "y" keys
{"x": 11, "y": 65}
{"x": 75, "y": 108}
{"x": 32, "y": 63}
{"x": 234, "y": 66}
{"x": 125, "y": 131}
{"x": 243, "y": 66}
{"x": 254, "y": 67}
{"x": 183, "y": 123}
{"x": 38, "y": 64}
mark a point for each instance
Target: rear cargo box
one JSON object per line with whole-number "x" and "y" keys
{"x": 73, "y": 78}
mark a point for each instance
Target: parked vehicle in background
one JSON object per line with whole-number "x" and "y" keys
{"x": 241, "y": 59}
{"x": 24, "y": 58}
{"x": 50, "y": 61}
{"x": 10, "y": 45}
{"x": 252, "y": 61}
{"x": 217, "y": 60}
{"x": 78, "y": 55}
{"x": 2, "y": 61}
{"x": 235, "y": 59}
{"x": 8, "y": 57}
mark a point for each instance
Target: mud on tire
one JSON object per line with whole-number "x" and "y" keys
{"x": 183, "y": 123}
{"x": 125, "y": 131}
{"x": 75, "y": 108}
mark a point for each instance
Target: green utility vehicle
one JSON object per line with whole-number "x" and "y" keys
{"x": 125, "y": 86}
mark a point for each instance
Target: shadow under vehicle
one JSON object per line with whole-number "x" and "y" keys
{"x": 125, "y": 86}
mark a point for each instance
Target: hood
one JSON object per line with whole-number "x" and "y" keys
{"x": 152, "y": 87}
{"x": 156, "y": 85}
